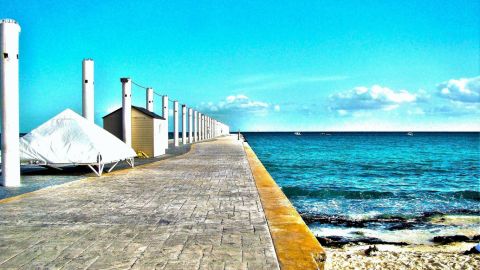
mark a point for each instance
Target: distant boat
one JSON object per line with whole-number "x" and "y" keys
{"x": 297, "y": 133}
{"x": 409, "y": 133}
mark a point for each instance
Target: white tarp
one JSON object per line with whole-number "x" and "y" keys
{"x": 68, "y": 138}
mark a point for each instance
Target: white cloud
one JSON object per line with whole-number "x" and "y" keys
{"x": 237, "y": 104}
{"x": 463, "y": 90}
{"x": 231, "y": 99}
{"x": 276, "y": 108}
{"x": 373, "y": 98}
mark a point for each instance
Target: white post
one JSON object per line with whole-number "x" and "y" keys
{"x": 195, "y": 127}
{"x": 200, "y": 138}
{"x": 206, "y": 127}
{"x": 184, "y": 124}
{"x": 209, "y": 123}
{"x": 190, "y": 116}
{"x": 9, "y": 88}
{"x": 149, "y": 100}
{"x": 204, "y": 130}
{"x": 165, "y": 115}
{"x": 127, "y": 110}
{"x": 209, "y": 127}
{"x": 88, "y": 90}
{"x": 175, "y": 123}
{"x": 214, "y": 128}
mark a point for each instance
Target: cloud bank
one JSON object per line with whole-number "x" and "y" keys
{"x": 463, "y": 90}
{"x": 373, "y": 98}
{"x": 238, "y": 104}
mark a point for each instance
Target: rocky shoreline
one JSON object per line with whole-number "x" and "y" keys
{"x": 340, "y": 241}
{"x": 359, "y": 247}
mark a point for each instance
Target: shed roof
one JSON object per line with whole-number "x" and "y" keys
{"x": 140, "y": 109}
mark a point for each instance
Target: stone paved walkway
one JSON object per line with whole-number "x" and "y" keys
{"x": 197, "y": 211}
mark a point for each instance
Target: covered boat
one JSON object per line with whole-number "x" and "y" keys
{"x": 70, "y": 139}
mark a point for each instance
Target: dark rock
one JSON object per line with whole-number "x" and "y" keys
{"x": 476, "y": 238}
{"x": 450, "y": 239}
{"x": 339, "y": 241}
{"x": 370, "y": 250}
{"x": 333, "y": 241}
{"x": 428, "y": 215}
{"x": 401, "y": 226}
{"x": 473, "y": 250}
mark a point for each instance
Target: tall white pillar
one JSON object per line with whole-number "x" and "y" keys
{"x": 9, "y": 88}
{"x": 190, "y": 116}
{"x": 127, "y": 110}
{"x": 88, "y": 92}
{"x": 209, "y": 123}
{"x": 184, "y": 124}
{"x": 149, "y": 100}
{"x": 175, "y": 123}
{"x": 195, "y": 127}
{"x": 200, "y": 138}
{"x": 165, "y": 115}
{"x": 206, "y": 127}
{"x": 203, "y": 127}
{"x": 214, "y": 128}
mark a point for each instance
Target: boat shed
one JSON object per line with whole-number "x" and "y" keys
{"x": 149, "y": 130}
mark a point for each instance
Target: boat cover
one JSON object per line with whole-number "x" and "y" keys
{"x": 68, "y": 138}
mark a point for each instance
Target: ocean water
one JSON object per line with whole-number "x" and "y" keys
{"x": 389, "y": 186}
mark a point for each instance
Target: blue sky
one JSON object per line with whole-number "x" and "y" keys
{"x": 259, "y": 65}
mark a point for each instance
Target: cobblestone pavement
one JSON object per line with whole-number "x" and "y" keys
{"x": 197, "y": 211}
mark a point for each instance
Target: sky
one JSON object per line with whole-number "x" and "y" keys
{"x": 259, "y": 65}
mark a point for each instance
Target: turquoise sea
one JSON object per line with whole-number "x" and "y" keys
{"x": 379, "y": 185}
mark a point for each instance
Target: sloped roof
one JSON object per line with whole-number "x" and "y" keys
{"x": 68, "y": 138}
{"x": 140, "y": 109}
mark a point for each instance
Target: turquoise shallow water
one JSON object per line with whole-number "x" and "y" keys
{"x": 381, "y": 179}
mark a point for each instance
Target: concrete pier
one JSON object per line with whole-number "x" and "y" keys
{"x": 201, "y": 210}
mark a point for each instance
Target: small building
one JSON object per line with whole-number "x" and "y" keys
{"x": 149, "y": 130}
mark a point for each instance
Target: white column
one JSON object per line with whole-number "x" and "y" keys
{"x": 149, "y": 104}
{"x": 209, "y": 123}
{"x": 9, "y": 88}
{"x": 184, "y": 124}
{"x": 127, "y": 110}
{"x": 200, "y": 126}
{"x": 175, "y": 123}
{"x": 203, "y": 127}
{"x": 200, "y": 137}
{"x": 214, "y": 128}
{"x": 195, "y": 127}
{"x": 190, "y": 116}
{"x": 208, "y": 127}
{"x": 165, "y": 115}
{"x": 88, "y": 92}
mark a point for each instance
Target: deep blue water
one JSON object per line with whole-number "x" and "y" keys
{"x": 374, "y": 175}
